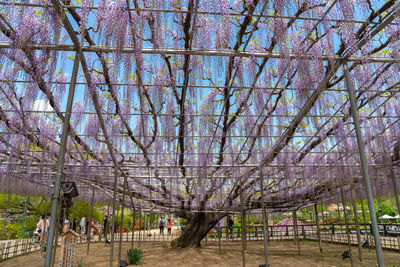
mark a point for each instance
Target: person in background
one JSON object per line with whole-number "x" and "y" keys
{"x": 38, "y": 231}
{"x": 82, "y": 224}
{"x": 230, "y": 226}
{"x": 43, "y": 226}
{"x": 48, "y": 215}
{"x": 169, "y": 226}
{"x": 67, "y": 225}
{"x": 93, "y": 228}
{"x": 87, "y": 226}
{"x": 105, "y": 227}
{"x": 105, "y": 224}
{"x": 161, "y": 225}
{"x": 165, "y": 222}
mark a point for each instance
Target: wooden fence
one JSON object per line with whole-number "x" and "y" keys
{"x": 332, "y": 234}
{"x": 17, "y": 247}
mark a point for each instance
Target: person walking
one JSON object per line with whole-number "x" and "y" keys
{"x": 38, "y": 232}
{"x": 169, "y": 226}
{"x": 161, "y": 225}
{"x": 105, "y": 227}
{"x": 82, "y": 225}
{"x": 43, "y": 226}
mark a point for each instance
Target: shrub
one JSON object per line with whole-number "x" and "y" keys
{"x": 183, "y": 221}
{"x": 12, "y": 230}
{"x": 134, "y": 256}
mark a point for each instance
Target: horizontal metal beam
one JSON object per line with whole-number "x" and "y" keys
{"x": 188, "y": 153}
{"x": 196, "y": 136}
{"x": 207, "y": 87}
{"x": 198, "y": 52}
{"x": 185, "y": 11}
{"x": 189, "y": 166}
{"x": 163, "y": 114}
{"x": 139, "y": 177}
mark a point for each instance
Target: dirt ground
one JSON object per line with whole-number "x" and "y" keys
{"x": 282, "y": 253}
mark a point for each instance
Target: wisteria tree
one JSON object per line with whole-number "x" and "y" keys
{"x": 193, "y": 103}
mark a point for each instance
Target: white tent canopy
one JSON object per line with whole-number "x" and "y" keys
{"x": 387, "y": 217}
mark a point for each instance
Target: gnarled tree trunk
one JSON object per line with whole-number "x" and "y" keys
{"x": 199, "y": 225}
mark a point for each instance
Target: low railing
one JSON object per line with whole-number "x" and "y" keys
{"x": 333, "y": 233}
{"x": 17, "y": 247}
{"x": 384, "y": 229}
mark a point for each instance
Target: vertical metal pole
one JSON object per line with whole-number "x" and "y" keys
{"x": 227, "y": 229}
{"x": 73, "y": 214}
{"x": 113, "y": 217}
{"x": 24, "y": 217}
{"x": 354, "y": 204}
{"x": 133, "y": 227}
{"x": 122, "y": 224}
{"x": 265, "y": 226}
{"x": 243, "y": 229}
{"x": 318, "y": 230}
{"x": 54, "y": 247}
{"x": 219, "y": 234}
{"x": 44, "y": 234}
{"x": 127, "y": 234}
{"x": 140, "y": 225}
{"x": 296, "y": 230}
{"x": 117, "y": 222}
{"x": 90, "y": 222}
{"x": 146, "y": 227}
{"x": 365, "y": 223}
{"x": 340, "y": 218}
{"x": 6, "y": 215}
{"x": 322, "y": 214}
{"x": 60, "y": 161}
{"x": 102, "y": 220}
{"x": 364, "y": 166}
{"x": 347, "y": 226}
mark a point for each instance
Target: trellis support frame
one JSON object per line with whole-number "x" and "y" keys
{"x": 264, "y": 215}
{"x": 60, "y": 161}
{"x": 364, "y": 165}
